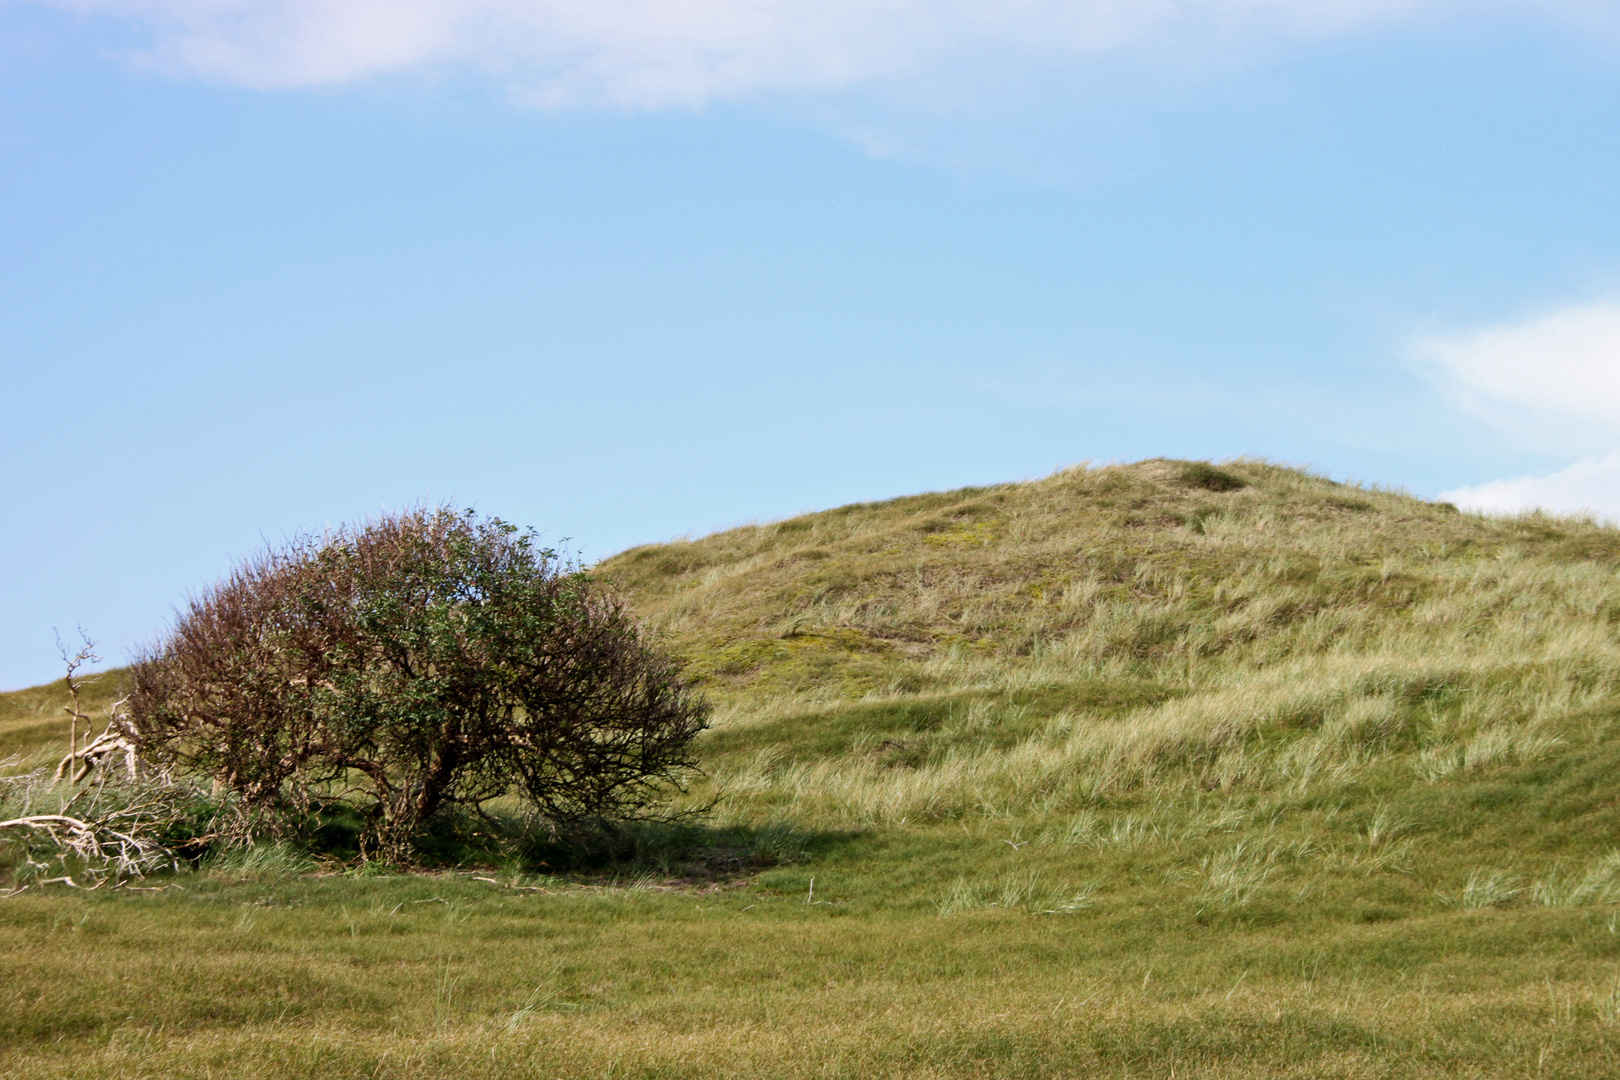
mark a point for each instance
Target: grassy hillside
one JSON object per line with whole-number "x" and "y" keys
{"x": 1160, "y": 769}
{"x": 1147, "y": 631}
{"x": 35, "y": 722}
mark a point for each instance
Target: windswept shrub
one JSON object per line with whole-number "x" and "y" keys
{"x": 424, "y": 661}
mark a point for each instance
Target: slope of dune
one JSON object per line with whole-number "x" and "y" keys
{"x": 1163, "y": 769}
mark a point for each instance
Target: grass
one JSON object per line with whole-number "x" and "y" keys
{"x": 1167, "y": 769}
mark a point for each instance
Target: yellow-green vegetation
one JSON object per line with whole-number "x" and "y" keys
{"x": 33, "y": 723}
{"x": 1164, "y": 769}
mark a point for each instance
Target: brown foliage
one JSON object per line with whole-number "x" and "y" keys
{"x": 426, "y": 660}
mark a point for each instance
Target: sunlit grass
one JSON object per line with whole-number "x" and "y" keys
{"x": 1133, "y": 771}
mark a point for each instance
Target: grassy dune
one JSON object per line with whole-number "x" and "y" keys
{"x": 1148, "y": 770}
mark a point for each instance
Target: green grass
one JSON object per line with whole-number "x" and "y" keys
{"x": 1148, "y": 770}
{"x": 33, "y": 722}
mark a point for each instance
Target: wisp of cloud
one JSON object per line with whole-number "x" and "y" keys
{"x": 686, "y": 53}
{"x": 1547, "y": 379}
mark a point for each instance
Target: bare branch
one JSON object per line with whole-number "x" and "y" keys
{"x": 118, "y": 738}
{"x": 86, "y": 654}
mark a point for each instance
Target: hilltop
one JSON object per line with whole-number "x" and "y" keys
{"x": 1139, "y": 566}
{"x": 1148, "y": 769}
{"x": 1172, "y": 625}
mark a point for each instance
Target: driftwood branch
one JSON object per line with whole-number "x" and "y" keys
{"x": 111, "y": 846}
{"x": 115, "y": 836}
{"x": 100, "y": 832}
{"x": 116, "y": 739}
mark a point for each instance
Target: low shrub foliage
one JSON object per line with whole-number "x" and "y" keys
{"x": 427, "y": 661}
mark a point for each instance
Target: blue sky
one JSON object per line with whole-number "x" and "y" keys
{"x": 632, "y": 269}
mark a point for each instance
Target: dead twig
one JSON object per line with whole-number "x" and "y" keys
{"x": 85, "y": 655}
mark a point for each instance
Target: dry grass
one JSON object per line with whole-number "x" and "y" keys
{"x": 1145, "y": 770}
{"x": 415, "y": 978}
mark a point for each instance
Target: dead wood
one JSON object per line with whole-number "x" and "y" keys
{"x": 118, "y": 738}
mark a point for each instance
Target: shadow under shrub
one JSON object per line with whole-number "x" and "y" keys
{"x": 686, "y": 849}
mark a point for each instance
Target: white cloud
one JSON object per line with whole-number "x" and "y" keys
{"x": 1551, "y": 380}
{"x": 1554, "y": 368}
{"x": 1588, "y": 486}
{"x": 653, "y": 53}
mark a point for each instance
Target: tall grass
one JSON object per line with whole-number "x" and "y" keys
{"x": 1147, "y": 770}
{"x": 1304, "y": 631}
